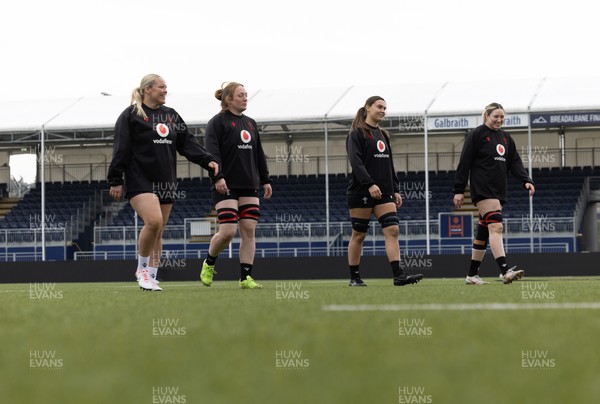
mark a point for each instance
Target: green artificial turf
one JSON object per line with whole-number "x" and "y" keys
{"x": 112, "y": 343}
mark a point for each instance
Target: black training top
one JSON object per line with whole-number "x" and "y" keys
{"x": 144, "y": 149}
{"x": 235, "y": 141}
{"x": 371, "y": 160}
{"x": 487, "y": 157}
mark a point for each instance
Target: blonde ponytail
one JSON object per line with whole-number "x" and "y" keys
{"x": 137, "y": 95}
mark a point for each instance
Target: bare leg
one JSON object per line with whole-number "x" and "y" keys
{"x": 390, "y": 233}
{"x": 356, "y": 240}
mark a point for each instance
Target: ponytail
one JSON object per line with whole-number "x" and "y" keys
{"x": 136, "y": 100}
{"x": 137, "y": 95}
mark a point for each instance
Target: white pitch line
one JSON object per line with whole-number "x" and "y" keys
{"x": 323, "y": 282}
{"x": 463, "y": 306}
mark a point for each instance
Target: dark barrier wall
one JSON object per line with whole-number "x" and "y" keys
{"x": 434, "y": 266}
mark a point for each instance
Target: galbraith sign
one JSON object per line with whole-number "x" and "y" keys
{"x": 472, "y": 121}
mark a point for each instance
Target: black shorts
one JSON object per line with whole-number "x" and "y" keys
{"x": 233, "y": 194}
{"x": 366, "y": 201}
{"x": 163, "y": 200}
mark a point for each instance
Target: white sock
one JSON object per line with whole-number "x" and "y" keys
{"x": 153, "y": 272}
{"x": 143, "y": 262}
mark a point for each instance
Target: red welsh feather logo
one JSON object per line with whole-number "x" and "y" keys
{"x": 233, "y": 124}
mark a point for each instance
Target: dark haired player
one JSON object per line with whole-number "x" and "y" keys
{"x": 374, "y": 189}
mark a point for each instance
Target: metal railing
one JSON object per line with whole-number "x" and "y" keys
{"x": 314, "y": 165}
{"x": 308, "y": 239}
{"x": 296, "y": 252}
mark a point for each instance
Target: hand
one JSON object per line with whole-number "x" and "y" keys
{"x": 268, "y": 191}
{"x": 398, "y": 199}
{"x": 459, "y": 200}
{"x": 116, "y": 192}
{"x": 531, "y": 188}
{"x": 221, "y": 186}
{"x": 375, "y": 192}
{"x": 215, "y": 166}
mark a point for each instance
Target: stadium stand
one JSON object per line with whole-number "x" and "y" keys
{"x": 558, "y": 191}
{"x": 297, "y": 199}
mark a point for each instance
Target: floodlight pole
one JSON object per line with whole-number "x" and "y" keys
{"x": 326, "y": 186}
{"x": 325, "y": 118}
{"x": 43, "y": 175}
{"x": 529, "y": 160}
{"x": 426, "y": 167}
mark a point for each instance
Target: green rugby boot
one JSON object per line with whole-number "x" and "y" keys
{"x": 249, "y": 283}
{"x": 207, "y": 273}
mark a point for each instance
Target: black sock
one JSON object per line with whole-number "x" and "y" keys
{"x": 354, "y": 272}
{"x": 210, "y": 260}
{"x": 397, "y": 271}
{"x": 474, "y": 268}
{"x": 501, "y": 261}
{"x": 246, "y": 270}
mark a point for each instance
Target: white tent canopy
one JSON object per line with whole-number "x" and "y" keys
{"x": 314, "y": 104}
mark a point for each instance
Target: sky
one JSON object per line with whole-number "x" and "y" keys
{"x": 65, "y": 48}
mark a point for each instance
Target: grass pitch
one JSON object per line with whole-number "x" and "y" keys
{"x": 301, "y": 342}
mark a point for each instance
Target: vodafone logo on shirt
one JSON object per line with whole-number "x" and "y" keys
{"x": 246, "y": 138}
{"x": 500, "y": 149}
{"x": 381, "y": 148}
{"x": 245, "y": 135}
{"x": 162, "y": 130}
